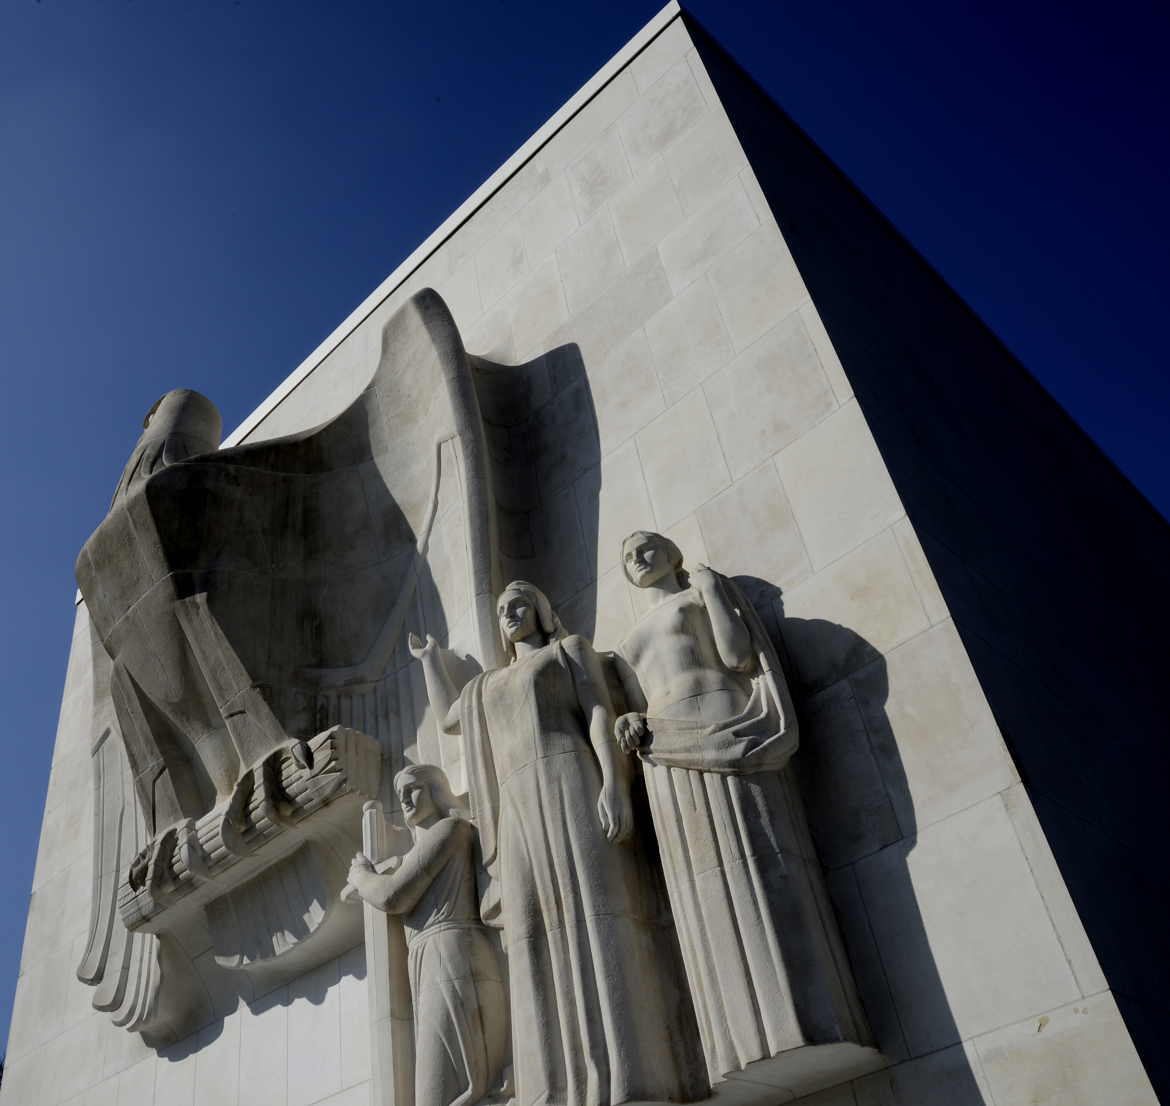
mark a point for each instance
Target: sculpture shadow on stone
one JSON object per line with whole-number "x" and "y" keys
{"x": 852, "y": 781}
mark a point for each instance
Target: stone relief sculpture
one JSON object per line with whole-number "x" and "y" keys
{"x": 713, "y": 725}
{"x": 596, "y": 1017}
{"x": 459, "y": 1002}
{"x": 246, "y": 607}
{"x": 252, "y": 677}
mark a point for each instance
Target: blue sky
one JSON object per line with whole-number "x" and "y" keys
{"x": 196, "y": 193}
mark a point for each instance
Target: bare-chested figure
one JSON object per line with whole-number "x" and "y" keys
{"x": 713, "y": 724}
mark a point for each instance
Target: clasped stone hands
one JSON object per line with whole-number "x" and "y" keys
{"x": 631, "y": 732}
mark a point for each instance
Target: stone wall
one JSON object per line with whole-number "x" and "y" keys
{"x": 629, "y": 270}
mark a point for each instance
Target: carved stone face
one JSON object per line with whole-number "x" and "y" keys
{"x": 517, "y": 614}
{"x": 646, "y": 559}
{"x": 416, "y": 799}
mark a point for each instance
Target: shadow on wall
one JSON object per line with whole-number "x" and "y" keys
{"x": 542, "y": 437}
{"x": 859, "y": 806}
{"x": 1052, "y": 564}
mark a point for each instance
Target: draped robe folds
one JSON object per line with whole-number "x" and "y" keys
{"x": 599, "y": 1009}
{"x": 456, "y": 985}
{"x": 727, "y": 823}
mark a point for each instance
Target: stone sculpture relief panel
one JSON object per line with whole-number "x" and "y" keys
{"x": 247, "y": 606}
{"x": 618, "y": 901}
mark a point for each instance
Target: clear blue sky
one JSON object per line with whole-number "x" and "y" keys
{"x": 195, "y": 193}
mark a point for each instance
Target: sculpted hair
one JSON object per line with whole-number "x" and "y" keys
{"x": 546, "y": 618}
{"x": 672, "y": 551}
{"x": 437, "y": 783}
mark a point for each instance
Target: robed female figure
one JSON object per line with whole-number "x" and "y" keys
{"x": 599, "y": 1015}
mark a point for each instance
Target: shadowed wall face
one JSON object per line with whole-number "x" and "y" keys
{"x": 668, "y": 365}
{"x": 1048, "y": 558}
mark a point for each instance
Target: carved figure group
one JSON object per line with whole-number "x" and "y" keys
{"x": 601, "y": 1011}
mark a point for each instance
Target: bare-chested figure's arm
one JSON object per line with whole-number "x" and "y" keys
{"x": 732, "y": 638}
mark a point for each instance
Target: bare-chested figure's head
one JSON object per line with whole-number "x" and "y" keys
{"x": 648, "y": 558}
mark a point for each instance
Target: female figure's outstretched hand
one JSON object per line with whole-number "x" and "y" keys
{"x": 418, "y": 648}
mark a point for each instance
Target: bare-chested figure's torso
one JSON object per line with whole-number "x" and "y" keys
{"x": 673, "y": 653}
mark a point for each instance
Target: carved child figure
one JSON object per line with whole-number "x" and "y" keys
{"x": 460, "y": 1007}
{"x": 714, "y": 728}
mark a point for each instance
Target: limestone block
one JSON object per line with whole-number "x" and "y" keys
{"x": 665, "y": 51}
{"x": 849, "y": 808}
{"x": 770, "y": 395}
{"x": 833, "y": 1096}
{"x": 590, "y": 260}
{"x": 314, "y": 1036}
{"x": 827, "y": 353}
{"x": 636, "y": 295}
{"x": 949, "y": 1077}
{"x": 838, "y": 484}
{"x": 120, "y": 1050}
{"x": 668, "y": 108}
{"x": 43, "y": 990}
{"x": 547, "y": 220}
{"x": 359, "y": 1095}
{"x": 615, "y": 611}
{"x": 932, "y": 731}
{"x": 136, "y": 1084}
{"x": 868, "y": 971}
{"x": 626, "y": 392}
{"x": 500, "y": 263}
{"x": 264, "y": 1050}
{"x": 707, "y": 235}
{"x": 1065, "y": 918}
{"x": 537, "y": 308}
{"x": 217, "y": 1063}
{"x": 598, "y": 173}
{"x": 355, "y": 1038}
{"x": 749, "y": 530}
{"x": 839, "y": 619}
{"x": 689, "y": 341}
{"x": 704, "y": 159}
{"x": 968, "y": 946}
{"x": 756, "y": 284}
{"x": 174, "y": 1078}
{"x": 688, "y": 535}
{"x": 590, "y": 123}
{"x": 1078, "y": 1055}
{"x": 558, "y": 555}
{"x": 703, "y": 79}
{"x": 617, "y": 488}
{"x": 460, "y": 291}
{"x": 681, "y": 459}
{"x": 34, "y": 1077}
{"x": 646, "y": 210}
{"x": 491, "y": 337}
{"x": 759, "y": 201}
{"x": 53, "y": 921}
{"x": 920, "y": 571}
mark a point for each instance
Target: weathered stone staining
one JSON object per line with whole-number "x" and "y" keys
{"x": 457, "y": 988}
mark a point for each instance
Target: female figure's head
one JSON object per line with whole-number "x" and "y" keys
{"x": 425, "y": 794}
{"x": 525, "y": 614}
{"x": 648, "y": 558}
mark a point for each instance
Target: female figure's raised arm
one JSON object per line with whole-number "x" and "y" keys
{"x": 441, "y": 689}
{"x": 614, "y": 807}
{"x": 732, "y": 638}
